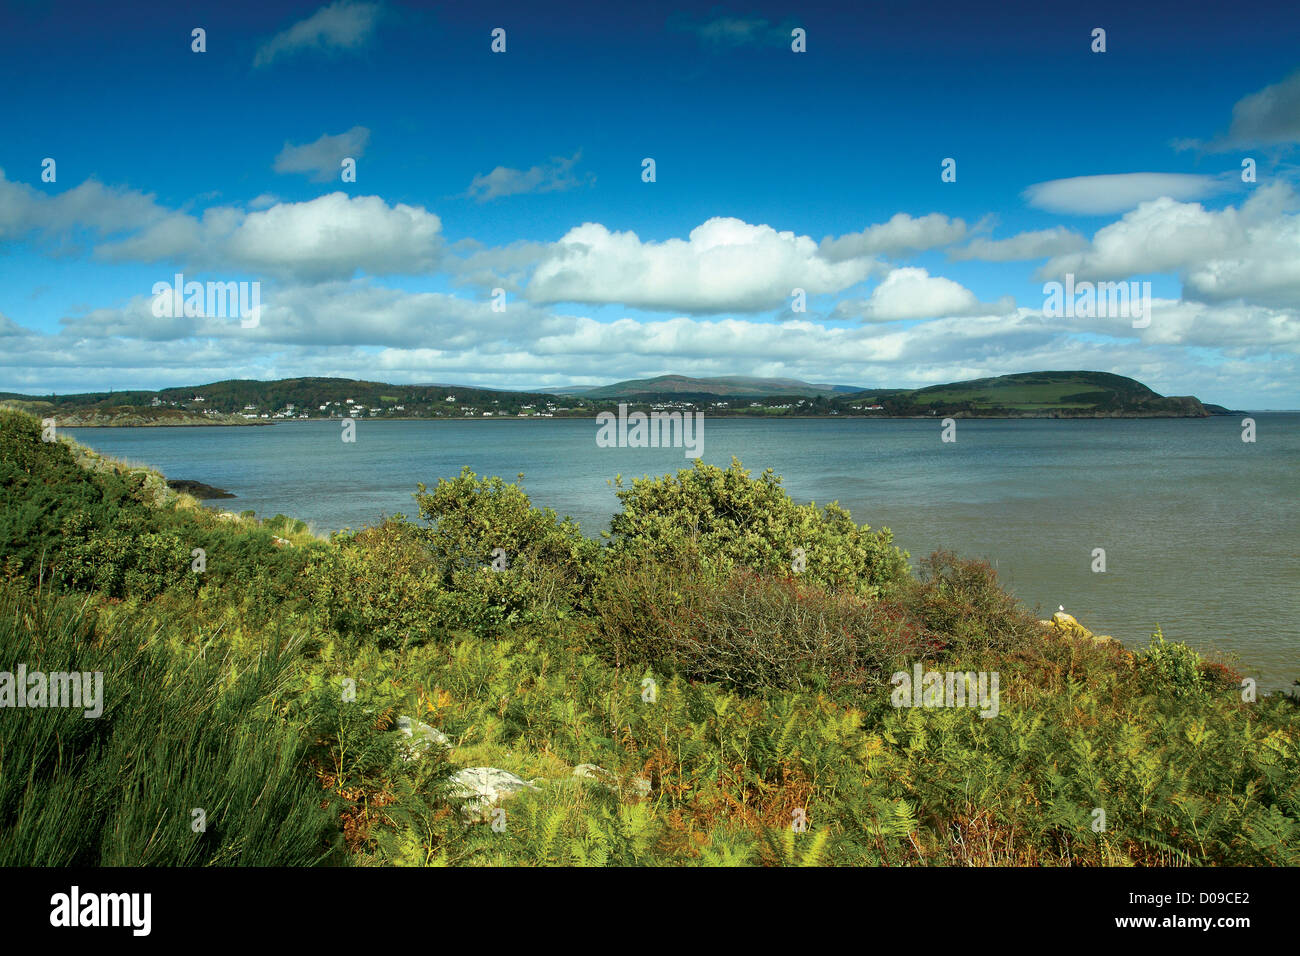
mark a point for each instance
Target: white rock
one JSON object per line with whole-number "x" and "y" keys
{"x": 483, "y": 787}
{"x": 422, "y": 737}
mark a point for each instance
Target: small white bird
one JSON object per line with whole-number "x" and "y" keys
{"x": 1060, "y": 607}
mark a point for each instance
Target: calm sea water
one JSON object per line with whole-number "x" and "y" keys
{"x": 1200, "y": 529}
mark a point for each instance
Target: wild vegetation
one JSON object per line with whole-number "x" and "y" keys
{"x": 684, "y": 691}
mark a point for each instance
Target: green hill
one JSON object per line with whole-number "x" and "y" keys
{"x": 1035, "y": 394}
{"x": 738, "y": 386}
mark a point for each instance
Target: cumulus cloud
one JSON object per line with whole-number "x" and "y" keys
{"x": 340, "y": 26}
{"x": 911, "y": 293}
{"x": 334, "y": 328}
{"x": 104, "y": 210}
{"x": 507, "y": 267}
{"x": 725, "y": 264}
{"x": 902, "y": 234}
{"x": 332, "y": 236}
{"x": 1250, "y": 252}
{"x": 1038, "y": 244}
{"x": 1106, "y": 195}
{"x": 555, "y": 176}
{"x": 321, "y": 159}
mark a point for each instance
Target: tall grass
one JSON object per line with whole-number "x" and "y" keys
{"x": 180, "y": 732}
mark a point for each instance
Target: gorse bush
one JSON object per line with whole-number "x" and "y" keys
{"x": 720, "y": 519}
{"x": 43, "y": 491}
{"x": 126, "y": 559}
{"x": 548, "y": 563}
{"x": 1172, "y": 668}
{"x": 89, "y": 526}
{"x": 374, "y": 587}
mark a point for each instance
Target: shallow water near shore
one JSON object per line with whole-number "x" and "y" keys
{"x": 1199, "y": 528}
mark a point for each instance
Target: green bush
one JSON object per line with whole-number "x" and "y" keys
{"x": 960, "y": 605}
{"x": 548, "y": 562}
{"x": 721, "y": 519}
{"x": 376, "y": 586}
{"x": 1171, "y": 668}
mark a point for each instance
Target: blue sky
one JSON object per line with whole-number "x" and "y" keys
{"x": 775, "y": 170}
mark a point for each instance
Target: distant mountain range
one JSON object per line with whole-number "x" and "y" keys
{"x": 740, "y": 386}
{"x": 1048, "y": 394}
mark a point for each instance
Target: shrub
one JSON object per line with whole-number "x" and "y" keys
{"x": 1171, "y": 668}
{"x": 720, "y": 519}
{"x": 376, "y": 586}
{"x": 961, "y": 605}
{"x": 548, "y": 562}
{"x": 751, "y": 632}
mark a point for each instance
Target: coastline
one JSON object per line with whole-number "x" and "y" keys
{"x": 960, "y": 416}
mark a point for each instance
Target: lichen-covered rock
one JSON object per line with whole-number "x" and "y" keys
{"x": 422, "y": 737}
{"x": 482, "y": 788}
{"x": 1066, "y": 625}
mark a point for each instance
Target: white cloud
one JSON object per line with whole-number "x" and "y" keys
{"x": 902, "y": 234}
{"x": 322, "y": 158}
{"x": 1026, "y": 245}
{"x": 724, "y": 265}
{"x": 911, "y": 293}
{"x": 25, "y": 210}
{"x": 1105, "y": 195}
{"x": 330, "y": 237}
{"x": 554, "y": 176}
{"x": 1251, "y": 252}
{"x": 335, "y": 328}
{"x": 340, "y": 26}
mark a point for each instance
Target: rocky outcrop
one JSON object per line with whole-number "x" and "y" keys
{"x": 1065, "y": 625}
{"x": 198, "y": 489}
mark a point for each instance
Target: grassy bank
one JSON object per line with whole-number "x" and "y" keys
{"x": 710, "y": 684}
